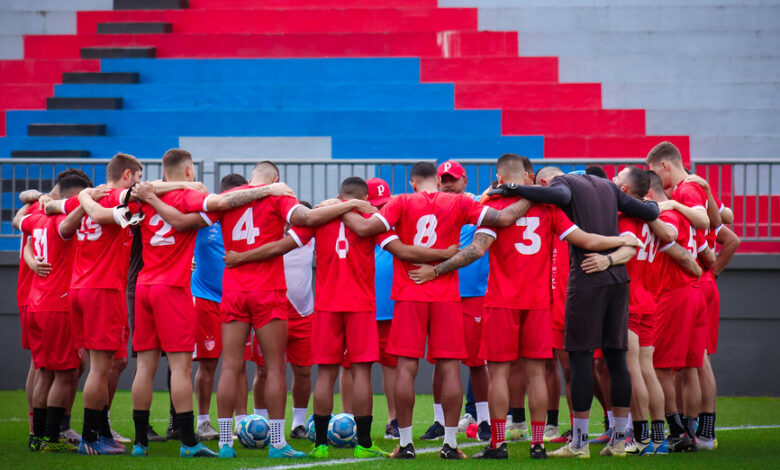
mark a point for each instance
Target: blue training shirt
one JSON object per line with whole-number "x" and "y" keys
{"x": 384, "y": 283}
{"x": 209, "y": 265}
{"x": 472, "y": 279}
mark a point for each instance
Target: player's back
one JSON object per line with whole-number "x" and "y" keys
{"x": 25, "y": 273}
{"x": 668, "y": 274}
{"x": 50, "y": 292}
{"x": 642, "y": 300}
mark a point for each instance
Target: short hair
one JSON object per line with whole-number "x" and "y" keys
{"x": 596, "y": 171}
{"x": 547, "y": 172}
{"x": 512, "y": 161}
{"x": 267, "y": 166}
{"x": 656, "y": 183}
{"x": 639, "y": 181}
{"x": 664, "y": 151}
{"x": 175, "y": 157}
{"x": 71, "y": 171}
{"x": 423, "y": 170}
{"x": 354, "y": 186}
{"x": 305, "y": 204}
{"x": 119, "y": 163}
{"x": 231, "y": 181}
{"x": 74, "y": 181}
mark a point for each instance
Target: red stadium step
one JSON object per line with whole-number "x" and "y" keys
{"x": 425, "y": 44}
{"x": 31, "y": 96}
{"x": 751, "y": 215}
{"x": 527, "y": 95}
{"x": 387, "y": 20}
{"x": 42, "y": 71}
{"x": 489, "y": 69}
{"x": 584, "y": 146}
{"x": 573, "y": 121}
{"x": 296, "y": 4}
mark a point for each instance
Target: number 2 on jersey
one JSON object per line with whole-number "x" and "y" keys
{"x": 159, "y": 238}
{"x": 245, "y": 228}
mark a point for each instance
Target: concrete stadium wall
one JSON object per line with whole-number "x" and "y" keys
{"x": 745, "y": 364}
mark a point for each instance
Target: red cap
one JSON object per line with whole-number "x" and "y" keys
{"x": 378, "y": 191}
{"x": 452, "y": 168}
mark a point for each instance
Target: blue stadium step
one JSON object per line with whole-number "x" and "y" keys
{"x": 102, "y": 78}
{"x": 58, "y": 103}
{"x": 97, "y": 147}
{"x": 181, "y": 71}
{"x": 134, "y": 28}
{"x": 272, "y": 96}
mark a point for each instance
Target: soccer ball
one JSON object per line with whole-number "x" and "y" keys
{"x": 310, "y": 429}
{"x": 342, "y": 430}
{"x": 254, "y": 432}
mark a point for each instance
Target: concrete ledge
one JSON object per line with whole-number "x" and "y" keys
{"x": 39, "y": 22}
{"x": 725, "y": 97}
{"x": 11, "y": 47}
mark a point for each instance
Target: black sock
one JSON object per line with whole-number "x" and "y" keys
{"x": 690, "y": 426}
{"x": 658, "y": 431}
{"x": 92, "y": 423}
{"x": 105, "y": 427}
{"x": 183, "y": 422}
{"x": 54, "y": 416}
{"x": 641, "y": 431}
{"x": 39, "y": 422}
{"x": 552, "y": 417}
{"x": 321, "y": 429}
{"x": 364, "y": 430}
{"x": 518, "y": 414}
{"x": 606, "y": 423}
{"x": 676, "y": 428}
{"x": 706, "y": 427}
{"x": 172, "y": 410}
{"x": 141, "y": 422}
{"x": 65, "y": 425}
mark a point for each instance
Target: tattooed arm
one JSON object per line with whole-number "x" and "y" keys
{"x": 233, "y": 199}
{"x": 729, "y": 242}
{"x": 685, "y": 259}
{"x": 506, "y": 216}
{"x": 468, "y": 255}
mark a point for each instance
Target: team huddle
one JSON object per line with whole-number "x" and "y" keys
{"x": 613, "y": 281}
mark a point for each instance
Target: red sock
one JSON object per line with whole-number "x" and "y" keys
{"x": 497, "y": 432}
{"x": 571, "y": 420}
{"x": 29, "y": 417}
{"x": 537, "y": 432}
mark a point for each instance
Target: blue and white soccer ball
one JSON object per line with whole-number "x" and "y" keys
{"x": 342, "y": 430}
{"x": 254, "y": 432}
{"x": 310, "y": 434}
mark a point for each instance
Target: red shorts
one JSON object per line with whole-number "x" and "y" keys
{"x": 517, "y": 333}
{"x": 643, "y": 325}
{"x": 23, "y": 323}
{"x": 164, "y": 318}
{"x": 680, "y": 333}
{"x": 299, "y": 343}
{"x": 255, "y": 308}
{"x": 121, "y": 353}
{"x": 440, "y": 322}
{"x": 208, "y": 330}
{"x": 98, "y": 318}
{"x": 51, "y": 342}
{"x": 473, "y": 318}
{"x": 712, "y": 298}
{"x": 388, "y": 360}
{"x": 557, "y": 339}
{"x": 335, "y": 333}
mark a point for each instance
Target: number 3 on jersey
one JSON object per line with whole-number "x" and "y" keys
{"x": 245, "y": 228}
{"x": 529, "y": 235}
{"x": 426, "y": 231}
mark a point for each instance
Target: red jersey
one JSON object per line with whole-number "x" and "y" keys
{"x": 521, "y": 257}
{"x": 49, "y": 293}
{"x": 431, "y": 220}
{"x": 642, "y": 301}
{"x": 25, "y": 273}
{"x": 667, "y": 274}
{"x": 167, "y": 252}
{"x": 102, "y": 251}
{"x": 248, "y": 227}
{"x": 345, "y": 267}
{"x": 559, "y": 277}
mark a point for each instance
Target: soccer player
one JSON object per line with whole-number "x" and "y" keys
{"x": 518, "y": 301}
{"x": 54, "y": 355}
{"x": 596, "y": 304}
{"x": 206, "y": 286}
{"x": 429, "y": 218}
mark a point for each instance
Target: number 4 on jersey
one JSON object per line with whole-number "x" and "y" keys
{"x": 245, "y": 228}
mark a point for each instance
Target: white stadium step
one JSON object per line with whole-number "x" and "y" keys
{"x": 695, "y": 95}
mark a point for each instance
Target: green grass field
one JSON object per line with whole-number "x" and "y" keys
{"x": 738, "y": 448}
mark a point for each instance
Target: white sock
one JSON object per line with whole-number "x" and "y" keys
{"x": 483, "y": 412}
{"x": 238, "y": 420}
{"x": 202, "y": 419}
{"x": 406, "y": 436}
{"x": 225, "y": 431}
{"x": 451, "y": 436}
{"x": 580, "y": 437}
{"x": 610, "y": 419}
{"x": 438, "y": 413}
{"x": 509, "y": 421}
{"x": 620, "y": 426}
{"x": 299, "y": 417}
{"x": 277, "y": 433}
{"x": 630, "y": 423}
{"x": 262, "y": 412}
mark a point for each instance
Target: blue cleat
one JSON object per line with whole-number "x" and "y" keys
{"x": 139, "y": 450}
{"x": 649, "y": 449}
{"x": 285, "y": 452}
{"x": 93, "y": 448}
{"x": 661, "y": 448}
{"x": 112, "y": 446}
{"x": 198, "y": 450}
{"x": 227, "y": 452}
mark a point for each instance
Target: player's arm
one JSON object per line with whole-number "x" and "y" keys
{"x": 261, "y": 253}
{"x": 695, "y": 216}
{"x": 418, "y": 254}
{"x": 729, "y": 242}
{"x": 593, "y": 242}
{"x": 727, "y": 215}
{"x": 645, "y": 210}
{"x": 468, "y": 255}
{"x": 684, "y": 258}
{"x": 71, "y": 223}
{"x": 163, "y": 187}
{"x": 506, "y": 216}
{"x": 305, "y": 217}
{"x": 37, "y": 266}
{"x": 17, "y": 221}
{"x": 595, "y": 262}
{"x": 101, "y": 215}
{"x": 364, "y": 227}
{"x": 29, "y": 196}
{"x": 238, "y": 198}
{"x": 664, "y": 232}
{"x": 713, "y": 210}
{"x": 177, "y": 219}
{"x": 556, "y": 194}
{"x": 706, "y": 257}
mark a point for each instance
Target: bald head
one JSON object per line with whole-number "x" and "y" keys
{"x": 265, "y": 173}
{"x": 546, "y": 174}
